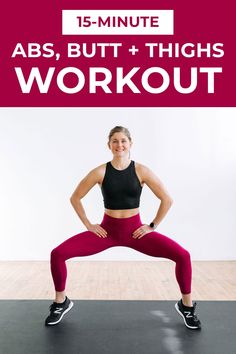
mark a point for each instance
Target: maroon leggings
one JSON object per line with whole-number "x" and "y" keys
{"x": 119, "y": 233}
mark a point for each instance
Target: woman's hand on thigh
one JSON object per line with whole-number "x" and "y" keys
{"x": 142, "y": 231}
{"x": 98, "y": 230}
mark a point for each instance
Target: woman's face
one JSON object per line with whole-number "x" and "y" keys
{"x": 119, "y": 145}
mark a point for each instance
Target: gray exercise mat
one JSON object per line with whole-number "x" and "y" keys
{"x": 116, "y": 327}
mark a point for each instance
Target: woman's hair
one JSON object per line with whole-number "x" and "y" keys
{"x": 119, "y": 129}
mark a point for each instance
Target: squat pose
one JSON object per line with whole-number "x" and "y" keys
{"x": 121, "y": 181}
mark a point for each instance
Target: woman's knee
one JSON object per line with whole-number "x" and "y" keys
{"x": 56, "y": 253}
{"x": 182, "y": 256}
{"x": 185, "y": 255}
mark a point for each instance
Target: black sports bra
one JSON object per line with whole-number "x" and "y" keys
{"x": 121, "y": 189}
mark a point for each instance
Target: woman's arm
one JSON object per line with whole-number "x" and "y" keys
{"x": 157, "y": 187}
{"x": 95, "y": 176}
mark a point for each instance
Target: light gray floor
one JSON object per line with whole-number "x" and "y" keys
{"x": 116, "y": 327}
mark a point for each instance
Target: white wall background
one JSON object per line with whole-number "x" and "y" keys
{"x": 44, "y": 152}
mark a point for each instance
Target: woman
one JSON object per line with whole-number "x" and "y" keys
{"x": 121, "y": 181}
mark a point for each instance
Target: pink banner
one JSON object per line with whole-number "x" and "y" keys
{"x": 184, "y": 56}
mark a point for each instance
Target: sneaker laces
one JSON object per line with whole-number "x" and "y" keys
{"x": 53, "y": 307}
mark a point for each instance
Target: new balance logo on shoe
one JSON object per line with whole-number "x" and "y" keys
{"x": 188, "y": 314}
{"x": 58, "y": 310}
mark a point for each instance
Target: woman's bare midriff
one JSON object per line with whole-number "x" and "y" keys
{"x": 125, "y": 213}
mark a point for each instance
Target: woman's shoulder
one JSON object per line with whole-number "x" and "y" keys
{"x": 98, "y": 172}
{"x": 141, "y": 167}
{"x": 99, "y": 169}
{"x": 144, "y": 171}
